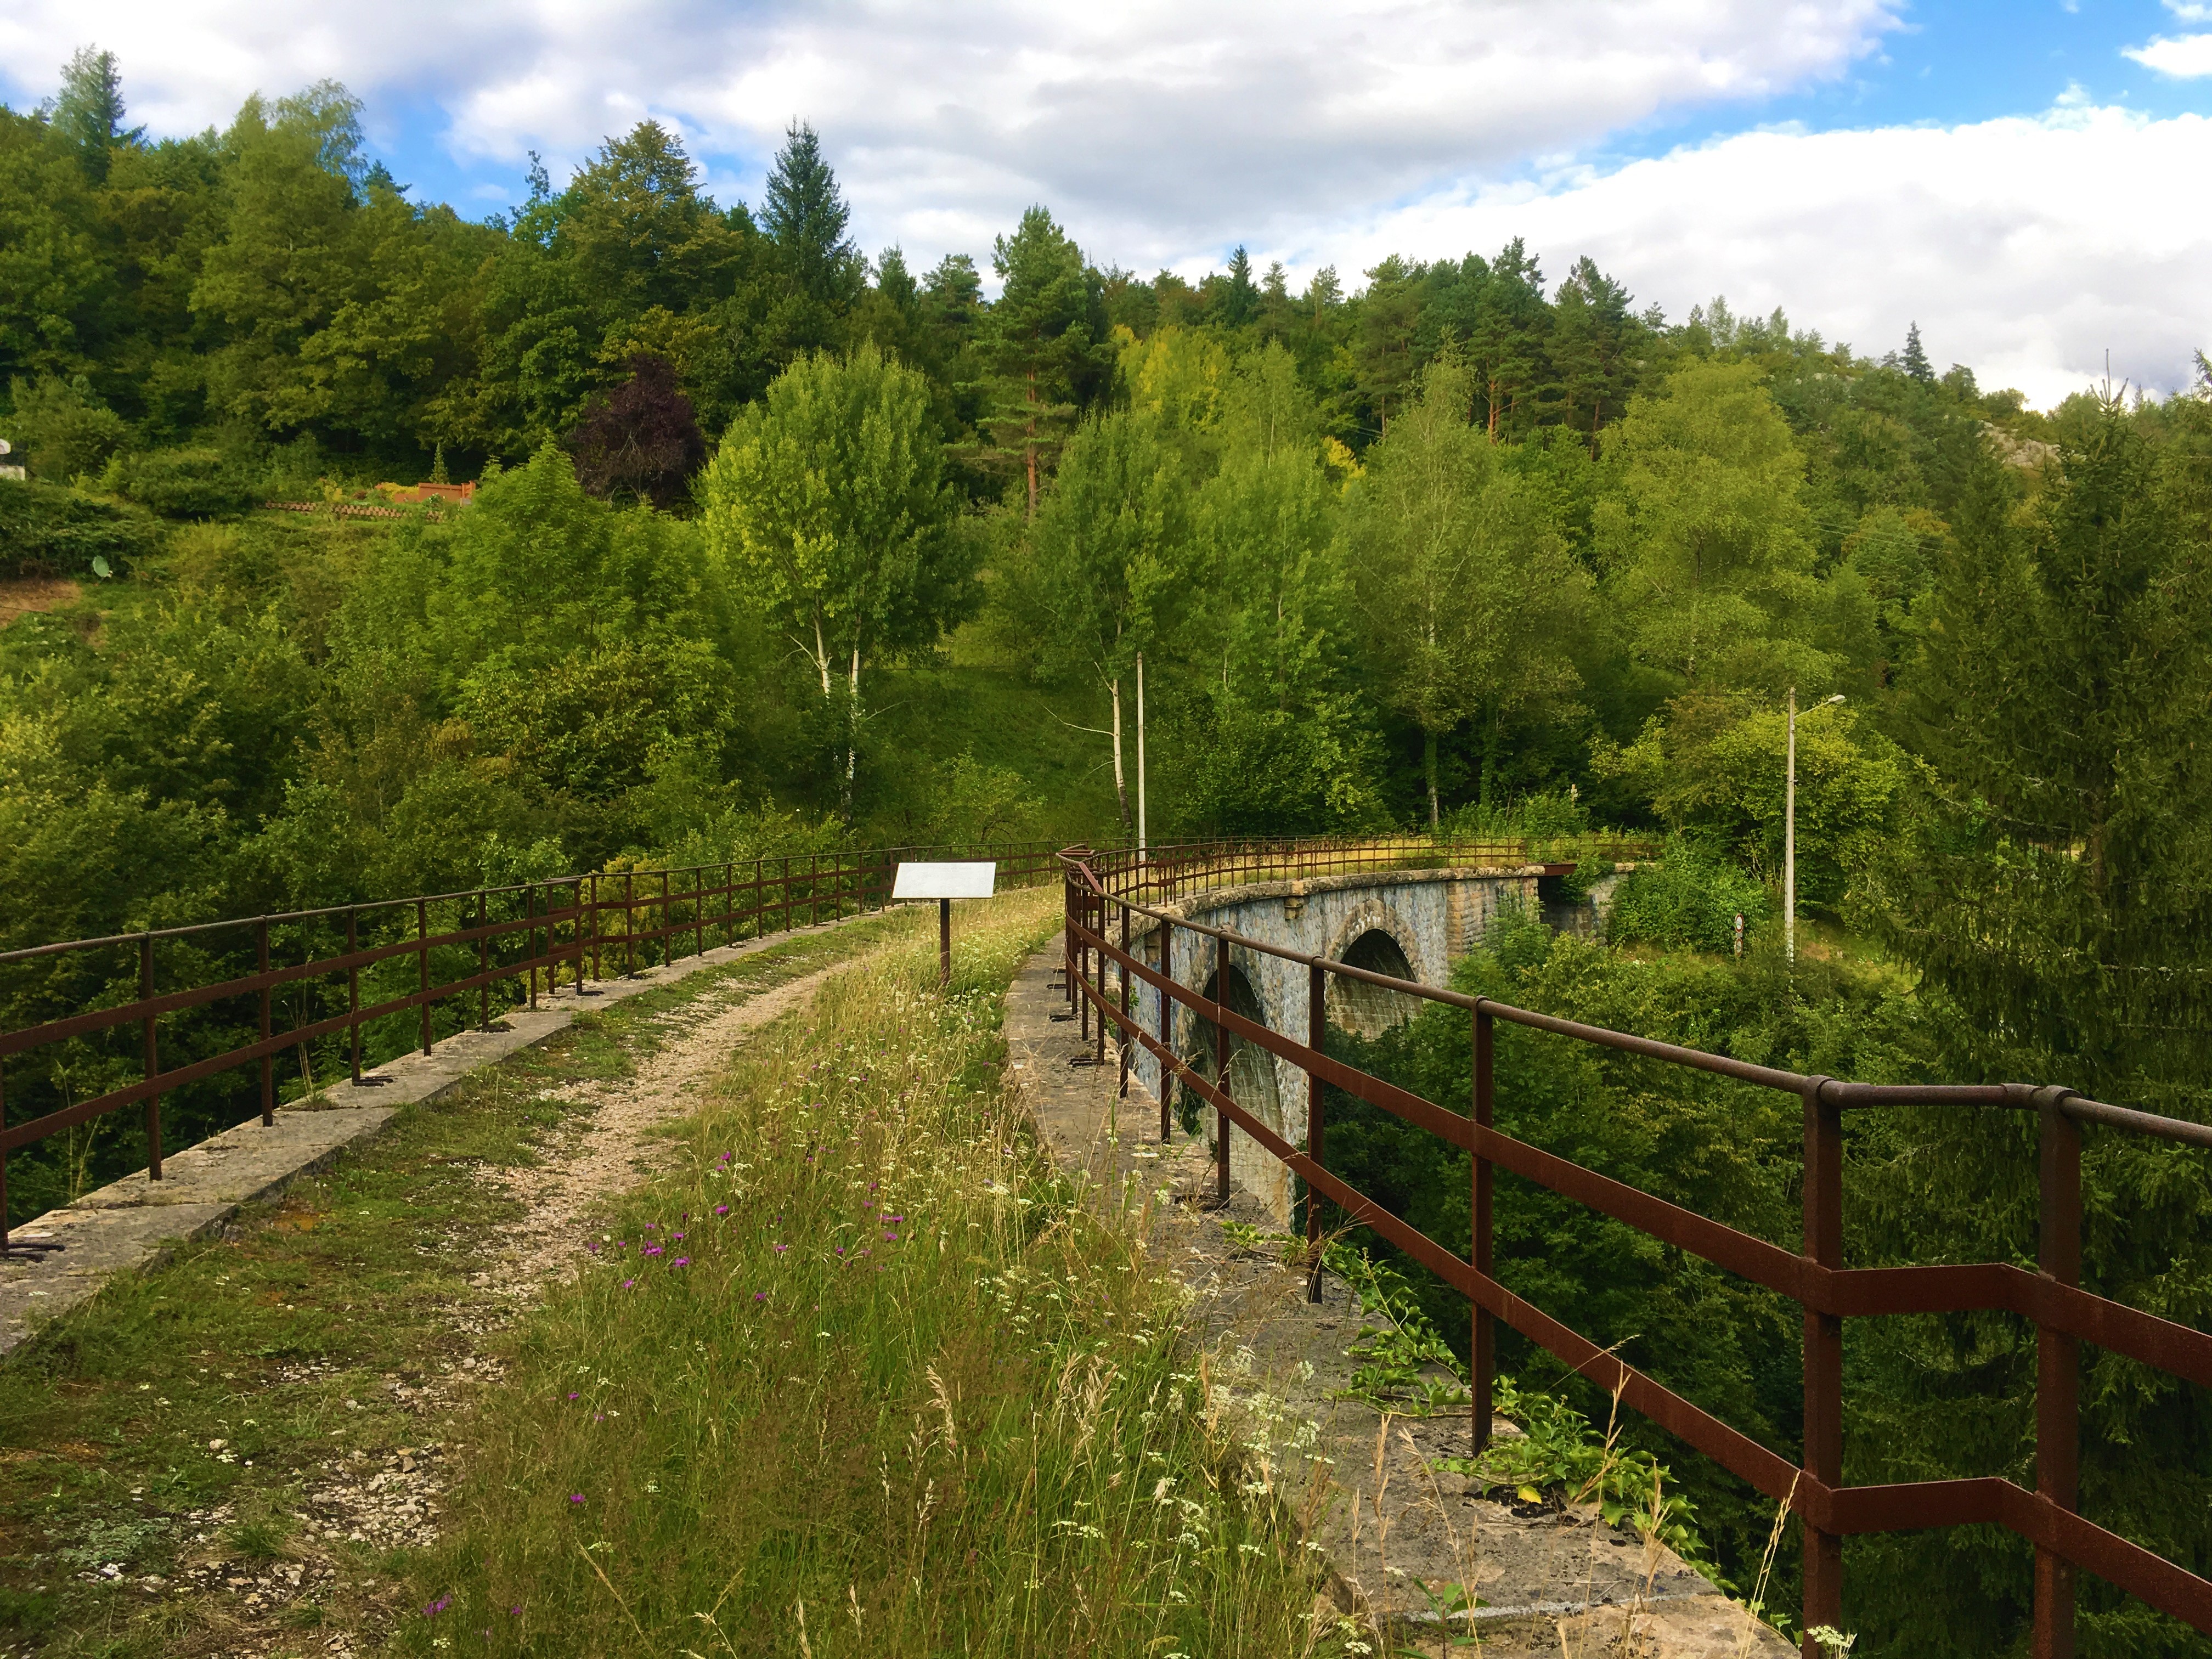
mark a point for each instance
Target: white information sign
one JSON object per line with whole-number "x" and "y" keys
{"x": 944, "y": 881}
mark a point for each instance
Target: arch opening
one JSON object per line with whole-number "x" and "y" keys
{"x": 1354, "y": 1006}
{"x": 1251, "y": 1068}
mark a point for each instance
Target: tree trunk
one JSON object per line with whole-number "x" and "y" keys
{"x": 852, "y": 737}
{"x": 1121, "y": 782}
{"x": 1429, "y": 760}
{"x": 1029, "y": 447}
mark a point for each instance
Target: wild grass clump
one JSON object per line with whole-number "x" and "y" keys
{"x": 864, "y": 1377}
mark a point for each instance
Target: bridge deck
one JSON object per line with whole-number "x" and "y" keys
{"x": 1364, "y": 1487}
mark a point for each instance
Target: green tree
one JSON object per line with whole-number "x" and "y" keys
{"x": 1041, "y": 347}
{"x": 87, "y": 113}
{"x": 1285, "y": 744}
{"x": 828, "y": 503}
{"x": 1703, "y": 534}
{"x": 1111, "y": 549}
{"x": 2055, "y": 898}
{"x": 1469, "y": 595}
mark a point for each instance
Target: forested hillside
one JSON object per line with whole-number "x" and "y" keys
{"x": 781, "y": 543}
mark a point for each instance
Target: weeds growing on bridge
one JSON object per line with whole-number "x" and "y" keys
{"x": 863, "y": 1377}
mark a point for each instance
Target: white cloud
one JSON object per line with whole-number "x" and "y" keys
{"x": 2186, "y": 56}
{"x": 2025, "y": 247}
{"x": 1324, "y": 132}
{"x": 1154, "y": 126}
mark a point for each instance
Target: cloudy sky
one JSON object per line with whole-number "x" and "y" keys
{"x": 2026, "y": 179}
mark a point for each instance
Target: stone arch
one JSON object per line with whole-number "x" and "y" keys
{"x": 1252, "y": 1083}
{"x": 1374, "y": 940}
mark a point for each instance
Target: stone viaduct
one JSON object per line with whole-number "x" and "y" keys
{"x": 1409, "y": 924}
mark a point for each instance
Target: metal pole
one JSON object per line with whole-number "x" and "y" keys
{"x": 267, "y": 1061}
{"x": 153, "y": 1060}
{"x": 1125, "y": 1045}
{"x": 1482, "y": 1355}
{"x": 483, "y": 967}
{"x": 944, "y": 941}
{"x": 786, "y": 895}
{"x": 629, "y": 924}
{"x": 2057, "y": 1372}
{"x": 1790, "y": 842}
{"x": 1098, "y": 910}
{"x": 595, "y": 924}
{"x": 1220, "y": 1070}
{"x": 1166, "y": 1031}
{"x": 1141, "y": 842}
{"x": 3, "y": 1160}
{"x": 352, "y": 997}
{"x": 529, "y": 942}
{"x": 1317, "y": 1039}
{"x": 423, "y": 965}
{"x": 1824, "y": 1357}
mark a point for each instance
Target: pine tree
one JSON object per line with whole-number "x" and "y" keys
{"x": 1240, "y": 298}
{"x": 88, "y": 112}
{"x": 1041, "y": 345}
{"x": 1915, "y": 361}
{"x": 804, "y": 216}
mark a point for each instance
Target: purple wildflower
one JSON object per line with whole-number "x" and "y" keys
{"x": 575, "y": 1497}
{"x": 627, "y": 1283}
{"x": 681, "y": 1261}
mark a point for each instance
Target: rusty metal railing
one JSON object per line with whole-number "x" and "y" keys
{"x": 497, "y": 942}
{"x": 1104, "y": 891}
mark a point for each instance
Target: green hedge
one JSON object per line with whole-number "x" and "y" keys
{"x": 48, "y": 531}
{"x": 1691, "y": 897}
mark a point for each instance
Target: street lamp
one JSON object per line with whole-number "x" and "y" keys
{"x": 1789, "y": 832}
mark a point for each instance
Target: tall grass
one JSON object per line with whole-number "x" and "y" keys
{"x": 866, "y": 1377}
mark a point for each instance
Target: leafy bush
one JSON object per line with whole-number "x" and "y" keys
{"x": 1691, "y": 897}
{"x": 60, "y": 428}
{"x": 187, "y": 483}
{"x": 47, "y": 531}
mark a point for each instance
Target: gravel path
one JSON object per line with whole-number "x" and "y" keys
{"x": 616, "y": 1148}
{"x": 393, "y": 1499}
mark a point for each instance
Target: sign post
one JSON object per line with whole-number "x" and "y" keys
{"x": 943, "y": 883}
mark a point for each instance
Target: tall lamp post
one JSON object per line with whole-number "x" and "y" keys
{"x": 1789, "y": 832}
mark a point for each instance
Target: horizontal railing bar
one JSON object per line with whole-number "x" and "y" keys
{"x": 1848, "y": 1510}
{"x": 2180, "y": 1130}
{"x": 96, "y": 1019}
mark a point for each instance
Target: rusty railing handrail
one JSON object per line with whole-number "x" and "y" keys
{"x": 1828, "y": 1292}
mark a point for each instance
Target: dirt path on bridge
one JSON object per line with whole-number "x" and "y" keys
{"x": 614, "y": 1145}
{"x": 609, "y": 1143}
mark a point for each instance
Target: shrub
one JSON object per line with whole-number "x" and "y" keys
{"x": 47, "y": 531}
{"x": 187, "y": 483}
{"x": 1691, "y": 897}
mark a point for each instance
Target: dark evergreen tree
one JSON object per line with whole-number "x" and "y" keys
{"x": 87, "y": 114}
{"x": 805, "y": 215}
{"x": 1915, "y": 361}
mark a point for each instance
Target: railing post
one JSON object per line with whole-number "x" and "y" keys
{"x": 3, "y": 1159}
{"x": 1482, "y": 1358}
{"x": 629, "y": 924}
{"x": 1220, "y": 1072}
{"x": 730, "y": 902}
{"x": 267, "y": 1061}
{"x": 595, "y": 924}
{"x": 1824, "y": 1357}
{"x": 153, "y": 1059}
{"x": 667, "y": 924}
{"x": 1166, "y": 1029}
{"x": 813, "y": 890}
{"x": 529, "y": 941}
{"x": 786, "y": 895}
{"x": 483, "y": 966}
{"x": 2057, "y": 1370}
{"x": 1317, "y": 1040}
{"x": 1126, "y": 1046}
{"x": 423, "y": 966}
{"x": 1098, "y": 910}
{"x": 353, "y": 998}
